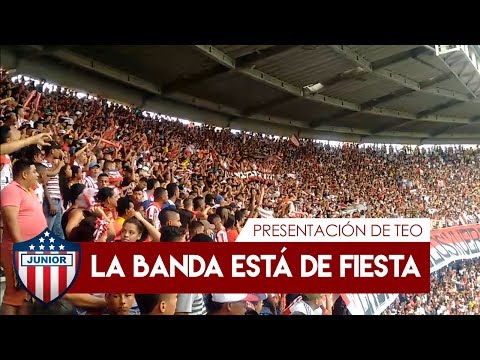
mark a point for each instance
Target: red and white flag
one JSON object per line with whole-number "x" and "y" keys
{"x": 288, "y": 310}
{"x": 294, "y": 140}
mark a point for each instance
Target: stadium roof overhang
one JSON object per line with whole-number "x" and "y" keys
{"x": 360, "y": 93}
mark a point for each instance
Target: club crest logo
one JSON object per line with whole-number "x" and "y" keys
{"x": 46, "y": 265}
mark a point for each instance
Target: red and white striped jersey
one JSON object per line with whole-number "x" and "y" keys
{"x": 221, "y": 235}
{"x": 90, "y": 183}
{"x": 152, "y": 212}
{"x": 53, "y": 185}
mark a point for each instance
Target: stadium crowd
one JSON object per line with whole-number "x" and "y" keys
{"x": 92, "y": 170}
{"x": 455, "y": 290}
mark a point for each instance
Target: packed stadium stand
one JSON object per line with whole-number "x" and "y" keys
{"x": 157, "y": 135}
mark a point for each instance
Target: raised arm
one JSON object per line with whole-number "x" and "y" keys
{"x": 40, "y": 139}
{"x": 152, "y": 230}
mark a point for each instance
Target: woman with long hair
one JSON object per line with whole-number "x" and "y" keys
{"x": 137, "y": 229}
{"x": 77, "y": 175}
{"x": 64, "y": 177}
{"x": 125, "y": 210}
{"x": 86, "y": 304}
{"x": 82, "y": 208}
{"x": 107, "y": 201}
{"x": 85, "y": 231}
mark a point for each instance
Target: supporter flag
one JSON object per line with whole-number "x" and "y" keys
{"x": 29, "y": 98}
{"x": 274, "y": 158}
{"x": 294, "y": 140}
{"x": 110, "y": 133}
{"x": 224, "y": 164}
{"x": 37, "y": 101}
{"x": 288, "y": 310}
{"x": 297, "y": 215}
{"x": 264, "y": 213}
{"x": 463, "y": 219}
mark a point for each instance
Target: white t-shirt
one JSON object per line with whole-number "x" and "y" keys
{"x": 265, "y": 214}
{"x": 6, "y": 175}
{"x": 305, "y": 309}
{"x": 192, "y": 304}
{"x": 39, "y": 192}
{"x": 420, "y": 311}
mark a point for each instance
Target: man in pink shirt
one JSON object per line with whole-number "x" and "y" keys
{"x": 23, "y": 220}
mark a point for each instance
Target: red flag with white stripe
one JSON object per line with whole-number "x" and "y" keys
{"x": 288, "y": 310}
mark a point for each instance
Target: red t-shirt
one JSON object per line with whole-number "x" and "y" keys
{"x": 232, "y": 235}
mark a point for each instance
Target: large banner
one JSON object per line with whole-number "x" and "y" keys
{"x": 252, "y": 176}
{"x": 446, "y": 246}
{"x": 452, "y": 244}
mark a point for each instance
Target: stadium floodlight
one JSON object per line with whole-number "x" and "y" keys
{"x": 313, "y": 88}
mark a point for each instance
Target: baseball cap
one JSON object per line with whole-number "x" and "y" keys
{"x": 67, "y": 120}
{"x": 261, "y": 297}
{"x": 93, "y": 164}
{"x": 229, "y": 298}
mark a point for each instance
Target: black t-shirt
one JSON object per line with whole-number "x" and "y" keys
{"x": 65, "y": 216}
{"x": 39, "y": 88}
{"x": 340, "y": 308}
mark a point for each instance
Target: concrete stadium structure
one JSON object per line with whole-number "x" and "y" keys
{"x": 410, "y": 94}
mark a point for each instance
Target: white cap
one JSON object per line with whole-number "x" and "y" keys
{"x": 229, "y": 298}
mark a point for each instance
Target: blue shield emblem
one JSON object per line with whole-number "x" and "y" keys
{"x": 46, "y": 265}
